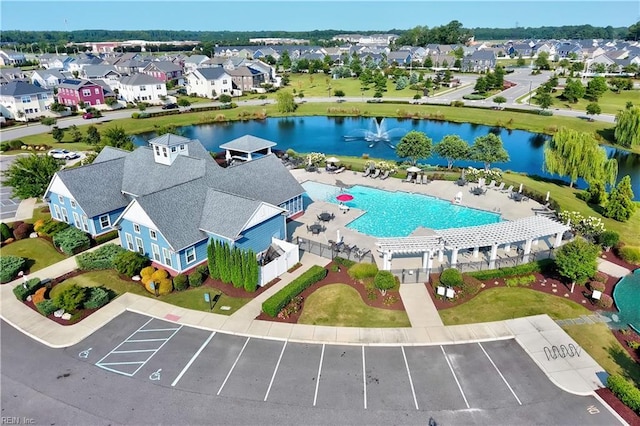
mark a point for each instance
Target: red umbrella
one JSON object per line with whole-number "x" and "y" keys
{"x": 344, "y": 197}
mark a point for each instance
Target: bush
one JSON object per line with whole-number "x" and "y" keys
{"x": 544, "y": 265}
{"x": 38, "y": 224}
{"x": 383, "y": 281}
{"x": 22, "y": 293}
{"x": 360, "y": 271}
{"x": 163, "y": 286}
{"x": 473, "y": 97}
{"x": 180, "y": 282}
{"x": 5, "y": 231}
{"x": 52, "y": 227}
{"x": 203, "y": 269}
{"x": 605, "y": 301}
{"x": 112, "y": 235}
{"x": 451, "y": 278}
{"x": 347, "y": 263}
{"x": 625, "y": 391}
{"x": 16, "y": 144}
{"x": 601, "y": 277}
{"x": 97, "y": 298}
{"x": 457, "y": 104}
{"x": 71, "y": 241}
{"x": 630, "y": 254}
{"x": 101, "y": 258}
{"x": 159, "y": 274}
{"x": 146, "y": 273}
{"x": 196, "y": 279}
{"x": 608, "y": 239}
{"x": 130, "y": 263}
{"x": 545, "y": 112}
{"x": 596, "y": 285}
{"x": 22, "y": 231}
{"x": 38, "y": 296}
{"x": 47, "y": 307}
{"x": 9, "y": 267}
{"x": 71, "y": 298}
{"x": 525, "y": 280}
{"x": 273, "y": 305}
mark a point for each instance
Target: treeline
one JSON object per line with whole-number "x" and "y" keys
{"x": 564, "y": 32}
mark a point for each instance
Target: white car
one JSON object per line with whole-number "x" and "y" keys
{"x": 63, "y": 154}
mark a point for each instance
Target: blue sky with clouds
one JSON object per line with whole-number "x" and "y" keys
{"x": 304, "y": 15}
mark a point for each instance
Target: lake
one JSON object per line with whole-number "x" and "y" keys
{"x": 355, "y": 136}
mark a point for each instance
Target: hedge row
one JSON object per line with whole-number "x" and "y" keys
{"x": 71, "y": 241}
{"x": 273, "y": 305}
{"x": 112, "y": 235}
{"x": 23, "y": 291}
{"x": 101, "y": 258}
{"x": 528, "y": 268}
{"x": 625, "y": 391}
{"x": 10, "y": 266}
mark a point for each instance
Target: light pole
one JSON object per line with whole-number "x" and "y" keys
{"x": 529, "y": 100}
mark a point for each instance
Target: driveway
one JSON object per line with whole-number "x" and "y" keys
{"x": 8, "y": 205}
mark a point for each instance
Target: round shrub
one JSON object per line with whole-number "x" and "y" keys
{"x": 22, "y": 231}
{"x": 47, "y": 307}
{"x": 383, "y": 281}
{"x": 9, "y": 267}
{"x": 101, "y": 258}
{"x": 601, "y": 277}
{"x": 164, "y": 286}
{"x": 97, "y": 298}
{"x": 180, "y": 282}
{"x": 130, "y": 263}
{"x": 160, "y": 274}
{"x": 630, "y": 254}
{"x": 196, "y": 279}
{"x": 605, "y": 301}
{"x": 203, "y": 269}
{"x": 5, "y": 231}
{"x": 451, "y": 278}
{"x": 596, "y": 285}
{"x": 360, "y": 271}
{"x": 38, "y": 224}
{"x": 71, "y": 298}
{"x": 608, "y": 239}
{"x": 146, "y": 273}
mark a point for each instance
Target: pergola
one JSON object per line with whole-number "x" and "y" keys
{"x": 245, "y": 147}
{"x": 526, "y": 230}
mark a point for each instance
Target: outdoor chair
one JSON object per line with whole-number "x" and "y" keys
{"x": 425, "y": 180}
{"x": 409, "y": 177}
{"x": 376, "y": 174}
{"x": 492, "y": 184}
{"x": 418, "y": 179}
{"x": 340, "y": 170}
{"x": 367, "y": 172}
{"x": 499, "y": 188}
{"x": 308, "y": 228}
{"x": 385, "y": 175}
{"x": 509, "y": 190}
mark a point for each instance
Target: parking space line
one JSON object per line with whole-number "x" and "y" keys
{"x": 156, "y": 329}
{"x": 413, "y": 391}
{"x": 123, "y": 342}
{"x": 315, "y": 396}
{"x": 163, "y": 343}
{"x": 132, "y": 352}
{"x": 233, "y": 366}
{"x": 454, "y": 376}
{"x": 503, "y": 379}
{"x": 364, "y": 379}
{"x": 275, "y": 370}
{"x": 145, "y": 340}
{"x": 123, "y": 363}
{"x": 193, "y": 358}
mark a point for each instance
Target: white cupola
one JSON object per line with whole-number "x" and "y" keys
{"x": 167, "y": 147}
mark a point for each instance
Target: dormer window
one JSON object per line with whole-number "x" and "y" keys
{"x": 181, "y": 147}
{"x": 164, "y": 151}
{"x": 174, "y": 149}
{"x": 157, "y": 150}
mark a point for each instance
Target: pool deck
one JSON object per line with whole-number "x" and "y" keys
{"x": 445, "y": 190}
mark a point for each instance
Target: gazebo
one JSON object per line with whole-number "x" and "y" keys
{"x": 247, "y": 148}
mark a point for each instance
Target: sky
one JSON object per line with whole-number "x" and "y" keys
{"x": 302, "y": 15}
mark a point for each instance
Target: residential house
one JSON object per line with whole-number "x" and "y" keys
{"x": 400, "y": 57}
{"x": 263, "y": 52}
{"x": 479, "y": 61}
{"x": 247, "y": 78}
{"x": 209, "y": 82}
{"x": 142, "y": 88}
{"x": 11, "y": 58}
{"x": 8, "y": 75}
{"x": 131, "y": 66}
{"x": 24, "y": 101}
{"x": 48, "y": 79}
{"x": 79, "y": 63}
{"x": 569, "y": 50}
{"x": 170, "y": 199}
{"x": 193, "y": 62}
{"x": 105, "y": 73}
{"x": 163, "y": 70}
{"x": 74, "y": 92}
{"x": 55, "y": 62}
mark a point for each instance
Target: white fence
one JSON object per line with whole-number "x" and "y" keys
{"x": 282, "y": 264}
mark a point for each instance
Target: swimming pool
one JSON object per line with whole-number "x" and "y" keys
{"x": 398, "y": 214}
{"x": 627, "y": 296}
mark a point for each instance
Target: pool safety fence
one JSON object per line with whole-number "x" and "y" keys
{"x": 337, "y": 250}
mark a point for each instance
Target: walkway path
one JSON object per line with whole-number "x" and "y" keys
{"x": 612, "y": 269}
{"x": 584, "y": 320}
{"x": 419, "y": 306}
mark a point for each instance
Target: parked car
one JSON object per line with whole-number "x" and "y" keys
{"x": 170, "y": 106}
{"x": 63, "y": 154}
{"x": 87, "y": 115}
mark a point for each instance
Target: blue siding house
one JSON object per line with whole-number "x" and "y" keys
{"x": 168, "y": 200}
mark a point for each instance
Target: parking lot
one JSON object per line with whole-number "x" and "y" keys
{"x": 488, "y": 376}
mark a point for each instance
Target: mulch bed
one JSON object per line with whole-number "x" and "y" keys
{"x": 614, "y": 258}
{"x": 341, "y": 277}
{"x": 625, "y": 412}
{"x": 628, "y": 335}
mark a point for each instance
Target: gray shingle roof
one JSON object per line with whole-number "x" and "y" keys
{"x": 169, "y": 139}
{"x": 20, "y": 88}
{"x": 248, "y": 143}
{"x": 139, "y": 80}
{"x": 212, "y": 73}
{"x": 226, "y": 214}
{"x": 110, "y": 153}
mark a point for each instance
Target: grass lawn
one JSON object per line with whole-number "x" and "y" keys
{"x": 194, "y": 299}
{"x": 192, "y": 99}
{"x": 340, "y": 305}
{"x": 598, "y": 341}
{"x": 610, "y": 102}
{"x": 499, "y": 304}
{"x": 108, "y": 278}
{"x": 40, "y": 251}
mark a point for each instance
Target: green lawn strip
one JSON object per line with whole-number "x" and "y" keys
{"x": 39, "y": 250}
{"x": 108, "y": 278}
{"x": 610, "y": 102}
{"x": 38, "y": 214}
{"x": 340, "y": 305}
{"x": 603, "y": 347}
{"x": 193, "y": 298}
{"x": 498, "y": 304}
{"x": 193, "y": 99}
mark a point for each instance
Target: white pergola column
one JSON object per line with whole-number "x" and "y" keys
{"x": 558, "y": 240}
{"x": 527, "y": 247}
{"x": 454, "y": 257}
{"x": 493, "y": 255}
{"x": 429, "y": 260}
{"x": 425, "y": 259}
{"x": 440, "y": 255}
{"x": 248, "y": 156}
{"x": 476, "y": 251}
{"x": 227, "y": 155}
{"x": 386, "y": 261}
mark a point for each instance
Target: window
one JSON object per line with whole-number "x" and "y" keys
{"x": 129, "y": 241}
{"x": 85, "y": 223}
{"x": 224, "y": 81}
{"x": 105, "y": 221}
{"x": 139, "y": 245}
{"x": 181, "y": 147}
{"x": 164, "y": 150}
{"x": 43, "y": 96}
{"x": 76, "y": 220}
{"x": 155, "y": 250}
{"x": 65, "y": 216}
{"x": 60, "y": 199}
{"x": 153, "y": 234}
{"x": 158, "y": 86}
{"x": 26, "y": 99}
{"x": 97, "y": 91}
{"x": 157, "y": 150}
{"x": 56, "y": 212}
{"x": 86, "y": 92}
{"x": 136, "y": 228}
{"x": 174, "y": 149}
{"x": 73, "y": 204}
{"x": 97, "y": 101}
{"x": 143, "y": 88}
{"x": 190, "y": 255}
{"x": 167, "y": 257}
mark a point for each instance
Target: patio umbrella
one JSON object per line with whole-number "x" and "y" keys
{"x": 333, "y": 160}
{"x": 414, "y": 169}
{"x": 344, "y": 197}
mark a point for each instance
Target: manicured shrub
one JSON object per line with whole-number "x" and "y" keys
{"x": 347, "y": 263}
{"x": 159, "y": 274}
{"x": 196, "y": 279}
{"x": 525, "y": 280}
{"x": 97, "y": 297}
{"x": 5, "y": 231}
{"x": 600, "y": 277}
{"x": 9, "y": 267}
{"x": 383, "y": 281}
{"x": 164, "y": 286}
{"x": 147, "y": 272}
{"x": 203, "y": 269}
{"x": 38, "y": 296}
{"x": 596, "y": 285}
{"x": 608, "y": 239}
{"x": 130, "y": 263}
{"x": 544, "y": 265}
{"x": 38, "y": 224}
{"x": 630, "y": 254}
{"x": 273, "y": 305}
{"x": 100, "y": 239}
{"x": 180, "y": 282}
{"x": 71, "y": 241}
{"x": 21, "y": 232}
{"x": 101, "y": 258}
{"x": 451, "y": 278}
{"x": 605, "y": 301}
{"x": 71, "y": 298}
{"x": 23, "y": 291}
{"x": 47, "y": 307}
{"x": 625, "y": 391}
{"x": 52, "y": 227}
{"x": 360, "y": 271}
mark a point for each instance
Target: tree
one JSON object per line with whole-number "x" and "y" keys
{"x": 542, "y": 61}
{"x": 593, "y": 109}
{"x": 596, "y": 87}
{"x": 452, "y": 148}
{"x": 488, "y": 149}
{"x": 48, "y": 121}
{"x": 481, "y": 85}
{"x": 499, "y": 77}
{"x": 573, "y": 90}
{"x": 621, "y": 83}
{"x": 627, "y": 130}
{"x": 620, "y": 205}
{"x": 383, "y": 281}
{"x": 338, "y": 93}
{"x": 576, "y": 261}
{"x": 30, "y": 176}
{"x": 574, "y": 154}
{"x": 93, "y": 136}
{"x": 520, "y": 61}
{"x": 414, "y": 145}
{"x": 225, "y": 99}
{"x": 285, "y": 102}
{"x": 57, "y": 133}
{"x": 499, "y": 100}
{"x": 285, "y": 60}
{"x": 544, "y": 100}
{"x": 184, "y": 102}
{"x": 117, "y": 138}
{"x": 428, "y": 62}
{"x": 76, "y": 134}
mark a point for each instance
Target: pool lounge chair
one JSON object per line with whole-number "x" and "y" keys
{"x": 367, "y": 172}
{"x": 376, "y": 174}
{"x": 492, "y": 184}
{"x": 385, "y": 175}
{"x": 409, "y": 177}
{"x": 481, "y": 182}
{"x": 499, "y": 188}
{"x": 340, "y": 170}
{"x": 425, "y": 180}
{"x": 418, "y": 179}
{"x": 509, "y": 190}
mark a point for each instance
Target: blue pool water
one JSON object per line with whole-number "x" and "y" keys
{"x": 627, "y": 297}
{"x": 398, "y": 214}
